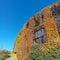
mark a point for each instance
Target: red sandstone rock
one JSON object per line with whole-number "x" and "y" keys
{"x": 25, "y": 38}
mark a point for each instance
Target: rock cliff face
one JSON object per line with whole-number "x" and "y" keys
{"x": 43, "y": 29}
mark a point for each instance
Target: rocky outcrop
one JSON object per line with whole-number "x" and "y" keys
{"x": 42, "y": 21}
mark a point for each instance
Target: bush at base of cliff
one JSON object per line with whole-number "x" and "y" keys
{"x": 4, "y": 54}
{"x": 36, "y": 54}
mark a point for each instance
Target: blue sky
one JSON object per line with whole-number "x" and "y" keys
{"x": 13, "y": 15}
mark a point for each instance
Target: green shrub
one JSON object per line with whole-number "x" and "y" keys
{"x": 36, "y": 54}
{"x": 4, "y": 54}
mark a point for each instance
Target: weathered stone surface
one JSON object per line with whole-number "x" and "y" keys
{"x": 25, "y": 39}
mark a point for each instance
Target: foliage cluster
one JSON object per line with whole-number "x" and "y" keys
{"x": 36, "y": 54}
{"x": 4, "y": 54}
